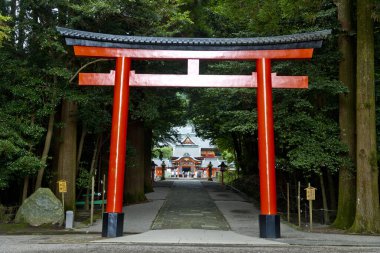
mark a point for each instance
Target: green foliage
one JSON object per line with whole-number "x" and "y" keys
{"x": 16, "y": 158}
{"x": 163, "y": 152}
{"x": 95, "y": 109}
{"x": 84, "y": 179}
{"x": 97, "y": 8}
{"x": 160, "y": 110}
{"x": 7, "y": 214}
{"x": 221, "y": 111}
{"x": 229, "y": 176}
{"x": 272, "y": 17}
{"x": 135, "y": 17}
{"x": 4, "y": 28}
{"x": 313, "y": 144}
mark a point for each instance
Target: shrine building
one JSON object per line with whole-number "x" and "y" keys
{"x": 191, "y": 156}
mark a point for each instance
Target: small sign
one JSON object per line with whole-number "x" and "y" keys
{"x": 310, "y": 193}
{"x": 62, "y": 186}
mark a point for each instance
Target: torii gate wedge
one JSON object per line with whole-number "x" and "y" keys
{"x": 127, "y": 48}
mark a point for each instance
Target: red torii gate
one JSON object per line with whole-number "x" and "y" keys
{"x": 126, "y": 48}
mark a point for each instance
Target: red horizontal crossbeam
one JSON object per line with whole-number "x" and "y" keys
{"x": 216, "y": 81}
{"x": 107, "y": 52}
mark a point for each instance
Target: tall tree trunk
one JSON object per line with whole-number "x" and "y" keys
{"x": 347, "y": 117}
{"x": 67, "y": 151}
{"x": 324, "y": 200}
{"x": 26, "y": 178}
{"x": 148, "y": 186}
{"x": 250, "y": 154}
{"x": 332, "y": 191}
{"x": 80, "y": 146}
{"x": 3, "y": 7}
{"x": 21, "y": 29}
{"x": 367, "y": 197}
{"x": 12, "y": 12}
{"x": 94, "y": 159}
{"x": 45, "y": 151}
{"x": 134, "y": 176}
{"x": 25, "y": 188}
{"x": 238, "y": 151}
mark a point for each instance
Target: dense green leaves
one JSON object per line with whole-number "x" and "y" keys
{"x": 4, "y": 28}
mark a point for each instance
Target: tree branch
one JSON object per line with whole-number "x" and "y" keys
{"x": 85, "y": 66}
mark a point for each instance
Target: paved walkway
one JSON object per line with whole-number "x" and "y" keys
{"x": 200, "y": 212}
{"x": 189, "y": 206}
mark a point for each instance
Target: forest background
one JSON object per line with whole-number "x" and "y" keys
{"x": 51, "y": 129}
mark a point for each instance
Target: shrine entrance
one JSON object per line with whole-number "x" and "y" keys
{"x": 124, "y": 49}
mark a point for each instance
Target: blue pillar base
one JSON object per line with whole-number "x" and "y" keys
{"x": 269, "y": 226}
{"x": 113, "y": 224}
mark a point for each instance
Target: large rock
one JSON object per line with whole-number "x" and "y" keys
{"x": 42, "y": 207}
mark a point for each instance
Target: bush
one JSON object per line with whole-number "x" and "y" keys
{"x": 249, "y": 184}
{"x": 7, "y": 214}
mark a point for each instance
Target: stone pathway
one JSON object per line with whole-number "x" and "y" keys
{"x": 189, "y": 206}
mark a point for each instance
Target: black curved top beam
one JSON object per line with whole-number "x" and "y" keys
{"x": 294, "y": 41}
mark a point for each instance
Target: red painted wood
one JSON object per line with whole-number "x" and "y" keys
{"x": 106, "y": 52}
{"x": 118, "y": 137}
{"x": 97, "y": 79}
{"x": 267, "y": 174}
{"x": 264, "y": 80}
{"x": 217, "y": 81}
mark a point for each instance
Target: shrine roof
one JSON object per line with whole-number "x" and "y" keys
{"x": 293, "y": 41}
{"x": 175, "y": 159}
{"x": 187, "y": 141}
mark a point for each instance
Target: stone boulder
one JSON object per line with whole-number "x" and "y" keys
{"x": 41, "y": 208}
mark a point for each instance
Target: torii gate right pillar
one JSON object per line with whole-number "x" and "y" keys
{"x": 269, "y": 220}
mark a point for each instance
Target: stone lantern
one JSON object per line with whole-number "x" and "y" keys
{"x": 163, "y": 166}
{"x": 209, "y": 171}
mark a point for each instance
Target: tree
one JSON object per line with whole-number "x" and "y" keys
{"x": 163, "y": 152}
{"x": 134, "y": 191}
{"x": 68, "y": 151}
{"x": 367, "y": 196}
{"x": 347, "y": 116}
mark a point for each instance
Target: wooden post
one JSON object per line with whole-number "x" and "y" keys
{"x": 62, "y": 188}
{"x": 92, "y": 199}
{"x": 299, "y": 203}
{"x": 63, "y": 201}
{"x": 103, "y": 190}
{"x": 310, "y": 195}
{"x": 311, "y": 214}
{"x": 288, "y": 200}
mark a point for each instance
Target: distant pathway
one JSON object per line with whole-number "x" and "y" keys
{"x": 189, "y": 206}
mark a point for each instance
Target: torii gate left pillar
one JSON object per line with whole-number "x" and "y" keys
{"x": 113, "y": 217}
